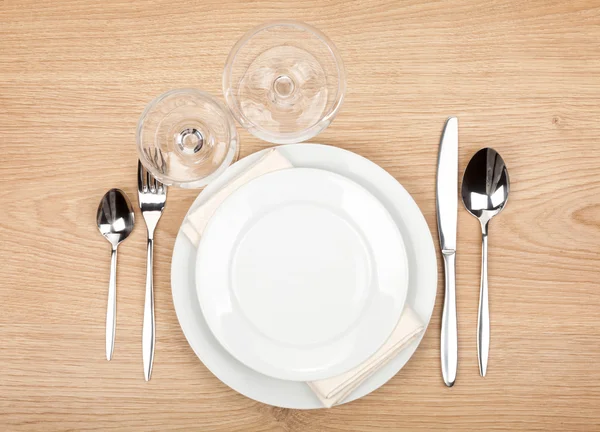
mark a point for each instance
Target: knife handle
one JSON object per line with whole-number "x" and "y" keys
{"x": 449, "y": 341}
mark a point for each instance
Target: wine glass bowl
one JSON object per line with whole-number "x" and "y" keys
{"x": 186, "y": 138}
{"x": 284, "y": 82}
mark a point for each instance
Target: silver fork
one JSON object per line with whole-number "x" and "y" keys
{"x": 152, "y": 196}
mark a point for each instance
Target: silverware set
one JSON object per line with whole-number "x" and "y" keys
{"x": 484, "y": 192}
{"x": 115, "y": 219}
{"x": 485, "y": 189}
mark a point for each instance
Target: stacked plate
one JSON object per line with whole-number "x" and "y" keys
{"x": 302, "y": 274}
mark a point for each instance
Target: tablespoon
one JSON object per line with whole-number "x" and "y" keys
{"x": 115, "y": 220}
{"x": 485, "y": 190}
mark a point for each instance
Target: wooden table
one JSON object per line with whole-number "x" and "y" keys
{"x": 523, "y": 77}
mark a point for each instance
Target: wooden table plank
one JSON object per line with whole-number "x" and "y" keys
{"x": 522, "y": 77}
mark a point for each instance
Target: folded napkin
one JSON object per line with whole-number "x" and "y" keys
{"x": 331, "y": 390}
{"x": 194, "y": 224}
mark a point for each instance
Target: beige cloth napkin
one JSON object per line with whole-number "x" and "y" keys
{"x": 331, "y": 390}
{"x": 334, "y": 390}
{"x": 194, "y": 224}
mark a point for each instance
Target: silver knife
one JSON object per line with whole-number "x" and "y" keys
{"x": 447, "y": 209}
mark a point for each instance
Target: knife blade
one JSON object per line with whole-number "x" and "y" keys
{"x": 447, "y": 213}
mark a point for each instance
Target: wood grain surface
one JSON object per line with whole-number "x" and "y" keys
{"x": 523, "y": 77}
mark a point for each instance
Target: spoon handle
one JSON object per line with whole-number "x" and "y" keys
{"x": 483, "y": 320}
{"x": 449, "y": 337}
{"x": 148, "y": 325}
{"x": 111, "y": 309}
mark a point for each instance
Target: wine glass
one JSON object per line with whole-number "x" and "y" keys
{"x": 284, "y": 82}
{"x": 186, "y": 138}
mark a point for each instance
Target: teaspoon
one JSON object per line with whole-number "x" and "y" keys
{"x": 115, "y": 221}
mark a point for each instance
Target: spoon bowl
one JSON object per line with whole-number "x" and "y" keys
{"x": 115, "y": 221}
{"x": 115, "y": 217}
{"x": 485, "y": 185}
{"x": 485, "y": 189}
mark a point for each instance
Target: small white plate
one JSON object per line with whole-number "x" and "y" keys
{"x": 301, "y": 274}
{"x": 422, "y": 280}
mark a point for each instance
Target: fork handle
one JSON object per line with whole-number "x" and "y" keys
{"x": 111, "y": 307}
{"x": 148, "y": 325}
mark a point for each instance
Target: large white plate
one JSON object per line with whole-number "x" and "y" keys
{"x": 301, "y": 274}
{"x": 422, "y": 283}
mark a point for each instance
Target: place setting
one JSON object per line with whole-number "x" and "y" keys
{"x": 304, "y": 275}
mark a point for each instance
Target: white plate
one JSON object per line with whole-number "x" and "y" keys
{"x": 301, "y": 274}
{"x": 422, "y": 280}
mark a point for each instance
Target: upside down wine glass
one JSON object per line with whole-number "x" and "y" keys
{"x": 284, "y": 82}
{"x": 186, "y": 138}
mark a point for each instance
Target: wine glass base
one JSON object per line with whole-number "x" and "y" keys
{"x": 190, "y": 141}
